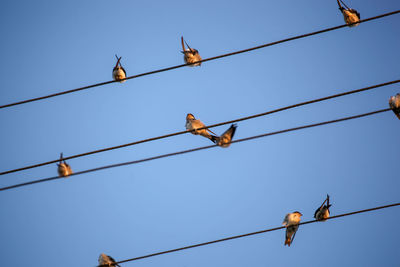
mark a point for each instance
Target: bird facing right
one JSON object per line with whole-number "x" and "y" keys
{"x": 291, "y": 222}
{"x": 322, "y": 213}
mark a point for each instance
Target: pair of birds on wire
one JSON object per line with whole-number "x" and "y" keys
{"x": 292, "y": 220}
{"x": 190, "y": 55}
{"x": 197, "y": 127}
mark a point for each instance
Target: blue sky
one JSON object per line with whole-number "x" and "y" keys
{"x": 50, "y": 46}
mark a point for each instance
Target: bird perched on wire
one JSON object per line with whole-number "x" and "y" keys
{"x": 322, "y": 213}
{"x": 351, "y": 16}
{"x": 291, "y": 222}
{"x": 106, "y": 261}
{"x": 119, "y": 73}
{"x": 226, "y": 138}
{"x": 192, "y": 125}
{"x": 63, "y": 169}
{"x": 190, "y": 55}
{"x": 394, "y": 103}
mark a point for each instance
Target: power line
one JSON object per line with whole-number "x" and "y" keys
{"x": 253, "y": 233}
{"x": 204, "y": 60}
{"x": 196, "y": 149}
{"x": 211, "y": 126}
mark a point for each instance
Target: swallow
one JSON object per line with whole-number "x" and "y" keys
{"x": 291, "y": 222}
{"x": 119, "y": 73}
{"x": 106, "y": 261}
{"x": 394, "y": 103}
{"x": 322, "y": 213}
{"x": 226, "y": 138}
{"x": 63, "y": 169}
{"x": 192, "y": 125}
{"x": 190, "y": 55}
{"x": 351, "y": 16}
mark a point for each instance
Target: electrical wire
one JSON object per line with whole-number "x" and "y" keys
{"x": 253, "y": 233}
{"x": 210, "y": 126}
{"x": 197, "y": 149}
{"x": 204, "y": 60}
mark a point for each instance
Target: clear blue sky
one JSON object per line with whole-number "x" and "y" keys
{"x": 50, "y": 46}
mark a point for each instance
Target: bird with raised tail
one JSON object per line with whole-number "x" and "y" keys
{"x": 394, "y": 103}
{"x": 106, "y": 261}
{"x": 291, "y": 222}
{"x": 350, "y": 16}
{"x": 226, "y": 138}
{"x": 119, "y": 73}
{"x": 190, "y": 55}
{"x": 63, "y": 168}
{"x": 192, "y": 124}
{"x": 322, "y": 213}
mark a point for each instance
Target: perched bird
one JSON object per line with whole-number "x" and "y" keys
{"x": 192, "y": 125}
{"x": 190, "y": 55}
{"x": 119, "y": 73}
{"x": 106, "y": 261}
{"x": 322, "y": 213}
{"x": 291, "y": 222}
{"x": 394, "y": 103}
{"x": 351, "y": 16}
{"x": 226, "y": 138}
{"x": 63, "y": 169}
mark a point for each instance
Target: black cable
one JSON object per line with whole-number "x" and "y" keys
{"x": 196, "y": 149}
{"x": 253, "y": 233}
{"x": 211, "y": 126}
{"x": 204, "y": 60}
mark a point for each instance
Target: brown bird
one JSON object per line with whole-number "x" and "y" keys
{"x": 291, "y": 222}
{"x": 119, "y": 73}
{"x": 394, "y": 103}
{"x": 106, "y": 261}
{"x": 226, "y": 138}
{"x": 322, "y": 213}
{"x": 350, "y": 16}
{"x": 63, "y": 169}
{"x": 190, "y": 55}
{"x": 192, "y": 124}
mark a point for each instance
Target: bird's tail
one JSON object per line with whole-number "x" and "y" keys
{"x": 118, "y": 61}
{"x": 340, "y": 6}
{"x": 183, "y": 44}
{"x": 214, "y": 138}
{"x": 288, "y": 241}
{"x": 398, "y": 115}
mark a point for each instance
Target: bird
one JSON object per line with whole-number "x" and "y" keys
{"x": 322, "y": 213}
{"x": 119, "y": 73}
{"x": 394, "y": 103}
{"x": 291, "y": 222}
{"x": 105, "y": 260}
{"x": 351, "y": 16}
{"x": 190, "y": 55}
{"x": 192, "y": 124}
{"x": 63, "y": 169}
{"x": 226, "y": 138}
